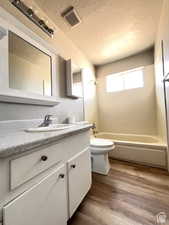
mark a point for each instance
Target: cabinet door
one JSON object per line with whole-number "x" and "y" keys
{"x": 79, "y": 179}
{"x": 44, "y": 204}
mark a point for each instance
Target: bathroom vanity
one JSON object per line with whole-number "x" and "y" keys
{"x": 43, "y": 176}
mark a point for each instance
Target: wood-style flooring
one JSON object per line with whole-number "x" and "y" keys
{"x": 130, "y": 195}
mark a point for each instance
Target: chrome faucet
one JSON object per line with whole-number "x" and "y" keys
{"x": 47, "y": 121}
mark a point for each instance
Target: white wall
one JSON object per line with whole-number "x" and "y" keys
{"x": 162, "y": 34}
{"x": 66, "y": 49}
{"x": 131, "y": 111}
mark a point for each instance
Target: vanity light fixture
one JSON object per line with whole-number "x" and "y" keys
{"x": 28, "y": 12}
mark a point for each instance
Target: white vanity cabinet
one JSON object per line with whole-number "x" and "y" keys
{"x": 37, "y": 192}
{"x": 44, "y": 204}
{"x": 79, "y": 179}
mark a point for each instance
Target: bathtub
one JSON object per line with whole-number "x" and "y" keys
{"x": 143, "y": 149}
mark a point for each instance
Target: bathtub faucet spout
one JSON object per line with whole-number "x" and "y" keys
{"x": 94, "y": 131}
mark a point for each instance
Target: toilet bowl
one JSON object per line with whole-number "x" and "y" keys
{"x": 99, "y": 152}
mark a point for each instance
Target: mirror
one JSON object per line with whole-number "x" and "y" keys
{"x": 29, "y": 68}
{"x": 74, "y": 80}
{"x": 77, "y": 89}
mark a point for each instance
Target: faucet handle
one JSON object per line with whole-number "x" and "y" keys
{"x": 47, "y": 121}
{"x": 47, "y": 117}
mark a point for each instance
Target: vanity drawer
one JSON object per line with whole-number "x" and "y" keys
{"x": 26, "y": 167}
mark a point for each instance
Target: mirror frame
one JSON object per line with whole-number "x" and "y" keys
{"x": 69, "y": 80}
{"x": 8, "y": 94}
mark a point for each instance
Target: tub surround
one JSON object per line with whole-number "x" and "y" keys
{"x": 132, "y": 110}
{"x": 20, "y": 141}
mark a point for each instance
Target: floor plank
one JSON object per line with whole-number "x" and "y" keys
{"x": 131, "y": 194}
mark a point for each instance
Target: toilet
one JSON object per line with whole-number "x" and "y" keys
{"x": 99, "y": 152}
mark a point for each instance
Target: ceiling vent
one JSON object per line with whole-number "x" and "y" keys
{"x": 71, "y": 16}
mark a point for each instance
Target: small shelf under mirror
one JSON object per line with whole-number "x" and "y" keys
{"x": 20, "y": 97}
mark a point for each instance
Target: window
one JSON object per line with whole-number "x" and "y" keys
{"x": 126, "y": 80}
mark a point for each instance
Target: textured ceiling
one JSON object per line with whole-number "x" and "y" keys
{"x": 110, "y": 29}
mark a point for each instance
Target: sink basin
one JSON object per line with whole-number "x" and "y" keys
{"x": 53, "y": 127}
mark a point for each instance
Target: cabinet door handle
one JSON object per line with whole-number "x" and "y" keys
{"x": 73, "y": 166}
{"x": 44, "y": 158}
{"x": 61, "y": 175}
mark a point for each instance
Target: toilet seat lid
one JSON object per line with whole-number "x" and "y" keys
{"x": 99, "y": 142}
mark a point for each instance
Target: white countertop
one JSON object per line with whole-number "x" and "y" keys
{"x": 20, "y": 141}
